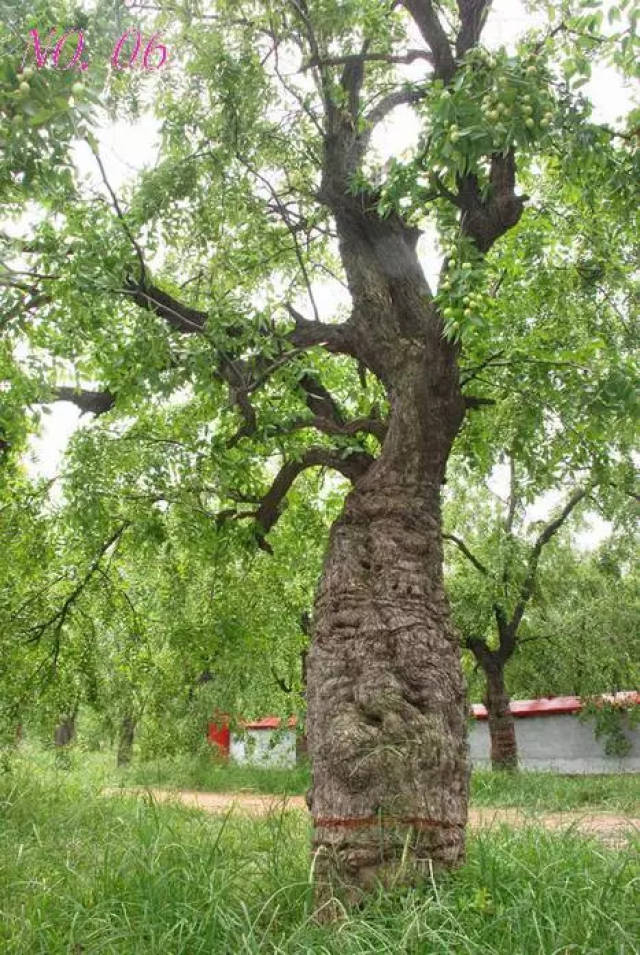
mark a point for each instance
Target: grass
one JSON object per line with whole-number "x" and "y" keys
{"x": 544, "y": 792}
{"x": 554, "y": 793}
{"x": 534, "y": 791}
{"x": 82, "y": 874}
{"x": 207, "y": 774}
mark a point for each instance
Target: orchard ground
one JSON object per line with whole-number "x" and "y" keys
{"x": 548, "y": 792}
{"x": 83, "y": 873}
{"x": 523, "y": 790}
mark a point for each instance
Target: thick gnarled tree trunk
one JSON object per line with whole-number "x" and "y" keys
{"x": 386, "y": 699}
{"x": 386, "y": 703}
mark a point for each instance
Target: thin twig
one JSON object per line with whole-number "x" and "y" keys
{"x": 120, "y": 214}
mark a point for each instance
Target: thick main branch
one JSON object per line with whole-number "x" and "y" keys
{"x": 428, "y": 22}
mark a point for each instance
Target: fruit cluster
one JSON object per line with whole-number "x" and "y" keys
{"x": 462, "y": 303}
{"x": 496, "y": 102}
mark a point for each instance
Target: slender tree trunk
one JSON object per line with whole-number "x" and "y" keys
{"x": 65, "y": 731}
{"x": 125, "y": 741}
{"x": 302, "y": 746}
{"x": 502, "y": 731}
{"x": 386, "y": 702}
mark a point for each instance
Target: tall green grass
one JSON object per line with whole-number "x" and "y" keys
{"x": 85, "y": 874}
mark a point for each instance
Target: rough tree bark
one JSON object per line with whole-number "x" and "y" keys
{"x": 386, "y": 710}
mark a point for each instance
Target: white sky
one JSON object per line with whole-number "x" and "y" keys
{"x": 126, "y": 148}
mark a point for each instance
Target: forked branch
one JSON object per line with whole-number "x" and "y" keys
{"x": 352, "y": 466}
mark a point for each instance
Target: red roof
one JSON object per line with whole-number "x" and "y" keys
{"x": 554, "y": 705}
{"x": 269, "y": 723}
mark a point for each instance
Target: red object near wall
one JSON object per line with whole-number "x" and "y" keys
{"x": 219, "y": 735}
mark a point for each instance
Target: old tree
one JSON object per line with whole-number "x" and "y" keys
{"x": 200, "y": 298}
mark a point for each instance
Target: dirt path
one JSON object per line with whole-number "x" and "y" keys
{"x": 612, "y": 828}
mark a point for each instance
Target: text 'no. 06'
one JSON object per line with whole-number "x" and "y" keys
{"x": 154, "y": 54}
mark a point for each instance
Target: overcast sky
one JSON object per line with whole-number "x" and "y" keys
{"x": 126, "y": 148}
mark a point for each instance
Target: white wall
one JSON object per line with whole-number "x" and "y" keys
{"x": 561, "y": 743}
{"x": 264, "y": 747}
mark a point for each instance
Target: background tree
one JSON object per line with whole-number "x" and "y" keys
{"x": 127, "y": 623}
{"x": 508, "y": 578}
{"x": 583, "y": 625}
{"x": 508, "y": 563}
{"x": 562, "y": 378}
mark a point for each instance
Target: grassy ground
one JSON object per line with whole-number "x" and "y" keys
{"x": 209, "y": 775}
{"x": 553, "y": 793}
{"x": 534, "y": 791}
{"x": 84, "y": 874}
